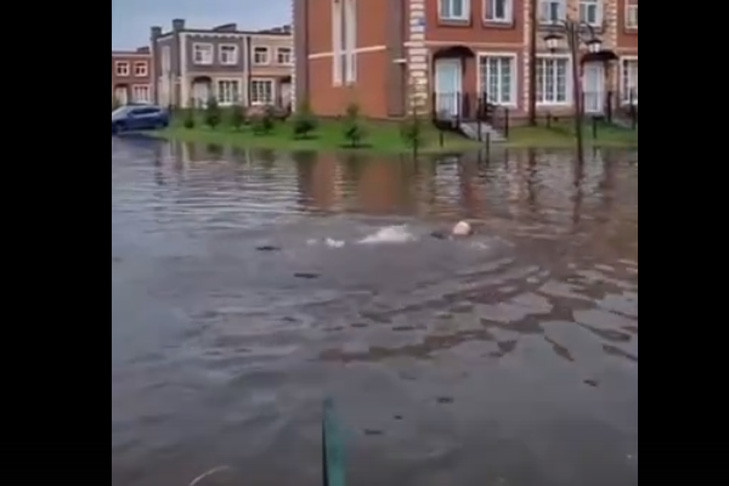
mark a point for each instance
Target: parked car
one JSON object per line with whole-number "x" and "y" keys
{"x": 138, "y": 117}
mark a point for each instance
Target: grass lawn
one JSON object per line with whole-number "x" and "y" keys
{"x": 384, "y": 137}
{"x": 562, "y": 135}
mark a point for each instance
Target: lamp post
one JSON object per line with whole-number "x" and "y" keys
{"x": 574, "y": 33}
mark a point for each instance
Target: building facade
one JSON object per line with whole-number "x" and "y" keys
{"x": 131, "y": 79}
{"x": 234, "y": 66}
{"x": 395, "y": 56}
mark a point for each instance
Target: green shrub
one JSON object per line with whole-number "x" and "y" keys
{"x": 304, "y": 121}
{"x": 353, "y": 129}
{"x": 212, "y": 113}
{"x": 189, "y": 118}
{"x": 115, "y": 103}
{"x": 237, "y": 116}
{"x": 263, "y": 123}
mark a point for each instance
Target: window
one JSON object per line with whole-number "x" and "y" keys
{"x": 455, "y": 9}
{"x": 228, "y": 91}
{"x": 144, "y": 111}
{"x": 552, "y": 80}
{"x": 228, "y": 54}
{"x": 140, "y": 68}
{"x": 166, "y": 60}
{"x": 122, "y": 68}
{"x": 283, "y": 55}
{"x": 591, "y": 12}
{"x": 344, "y": 39}
{"x": 498, "y": 80}
{"x": 140, "y": 93}
{"x": 260, "y": 55}
{"x": 629, "y": 81}
{"x": 552, "y": 11}
{"x": 261, "y": 91}
{"x": 202, "y": 53}
{"x": 498, "y": 11}
{"x": 631, "y": 15}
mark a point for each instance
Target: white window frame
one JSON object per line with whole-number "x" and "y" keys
{"x": 514, "y": 66}
{"x": 255, "y": 102}
{"x": 545, "y": 11}
{"x": 166, "y": 59}
{"x": 631, "y": 7}
{"x": 145, "y": 88}
{"x": 567, "y": 83}
{"x": 338, "y": 48}
{"x": 583, "y": 9}
{"x": 465, "y": 10}
{"x": 624, "y": 89}
{"x": 207, "y": 50}
{"x": 268, "y": 55}
{"x": 219, "y": 91}
{"x": 234, "y": 54}
{"x": 278, "y": 55}
{"x": 118, "y": 65}
{"x": 489, "y": 7}
{"x": 350, "y": 41}
{"x": 141, "y": 73}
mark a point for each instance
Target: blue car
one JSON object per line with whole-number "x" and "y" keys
{"x": 138, "y": 117}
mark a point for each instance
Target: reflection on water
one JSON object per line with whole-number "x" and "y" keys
{"x": 247, "y": 285}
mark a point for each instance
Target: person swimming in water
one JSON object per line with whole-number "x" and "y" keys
{"x": 459, "y": 230}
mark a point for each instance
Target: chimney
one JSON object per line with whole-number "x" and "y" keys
{"x": 155, "y": 32}
{"x": 287, "y": 28}
{"x": 178, "y": 25}
{"x": 232, "y": 27}
{"x": 143, "y": 50}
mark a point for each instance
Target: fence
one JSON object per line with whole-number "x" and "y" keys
{"x": 453, "y": 108}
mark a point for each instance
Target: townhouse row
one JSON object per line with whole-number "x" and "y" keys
{"x": 186, "y": 66}
{"x": 396, "y": 56}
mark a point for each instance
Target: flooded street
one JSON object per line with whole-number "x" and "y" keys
{"x": 247, "y": 286}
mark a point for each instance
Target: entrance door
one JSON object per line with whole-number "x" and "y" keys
{"x": 448, "y": 89}
{"x": 285, "y": 94}
{"x": 120, "y": 93}
{"x": 200, "y": 93}
{"x": 593, "y": 86}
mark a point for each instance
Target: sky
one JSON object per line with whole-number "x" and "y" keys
{"x": 131, "y": 19}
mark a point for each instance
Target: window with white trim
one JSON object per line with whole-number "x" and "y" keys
{"x": 166, "y": 60}
{"x": 261, "y": 91}
{"x": 631, "y": 15}
{"x": 283, "y": 55}
{"x": 552, "y": 80}
{"x": 499, "y": 11}
{"x": 121, "y": 68}
{"x": 140, "y": 93}
{"x": 228, "y": 91}
{"x": 260, "y": 55}
{"x": 202, "y": 54}
{"x": 140, "y": 68}
{"x": 455, "y": 9}
{"x": 629, "y": 81}
{"x": 498, "y": 79}
{"x": 591, "y": 12}
{"x": 228, "y": 54}
{"x": 344, "y": 40}
{"x": 552, "y": 11}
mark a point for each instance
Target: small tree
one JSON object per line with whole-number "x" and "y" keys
{"x": 353, "y": 129}
{"x": 304, "y": 120}
{"x": 237, "y": 116}
{"x": 263, "y": 123}
{"x": 189, "y": 116}
{"x": 212, "y": 113}
{"x": 411, "y": 131}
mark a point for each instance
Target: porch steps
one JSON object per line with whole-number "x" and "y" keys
{"x": 470, "y": 130}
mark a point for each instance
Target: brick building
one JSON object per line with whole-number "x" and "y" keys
{"x": 131, "y": 76}
{"x": 232, "y": 65}
{"x": 391, "y": 56}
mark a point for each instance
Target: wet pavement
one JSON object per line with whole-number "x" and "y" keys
{"x": 249, "y": 285}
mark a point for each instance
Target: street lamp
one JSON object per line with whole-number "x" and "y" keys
{"x": 574, "y": 31}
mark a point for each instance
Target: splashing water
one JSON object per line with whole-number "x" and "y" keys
{"x": 389, "y": 234}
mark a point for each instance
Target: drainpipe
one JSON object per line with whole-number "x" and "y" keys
{"x": 533, "y": 63}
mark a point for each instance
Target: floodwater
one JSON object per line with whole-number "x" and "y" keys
{"x": 247, "y": 286}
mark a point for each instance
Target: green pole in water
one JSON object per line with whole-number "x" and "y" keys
{"x": 332, "y": 447}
